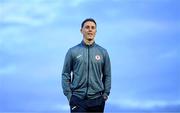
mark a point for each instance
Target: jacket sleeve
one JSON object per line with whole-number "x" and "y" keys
{"x": 66, "y": 75}
{"x": 107, "y": 75}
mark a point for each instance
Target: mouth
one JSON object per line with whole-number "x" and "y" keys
{"x": 90, "y": 34}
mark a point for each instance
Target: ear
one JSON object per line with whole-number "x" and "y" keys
{"x": 81, "y": 30}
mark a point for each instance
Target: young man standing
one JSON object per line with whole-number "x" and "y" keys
{"x": 86, "y": 75}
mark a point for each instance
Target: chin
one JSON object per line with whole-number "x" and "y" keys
{"x": 90, "y": 38}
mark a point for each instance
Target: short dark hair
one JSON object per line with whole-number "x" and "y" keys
{"x": 88, "y": 19}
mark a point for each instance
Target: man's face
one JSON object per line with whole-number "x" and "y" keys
{"x": 89, "y": 30}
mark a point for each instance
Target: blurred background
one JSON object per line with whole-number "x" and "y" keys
{"x": 141, "y": 36}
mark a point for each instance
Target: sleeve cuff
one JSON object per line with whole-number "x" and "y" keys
{"x": 105, "y": 94}
{"x": 69, "y": 96}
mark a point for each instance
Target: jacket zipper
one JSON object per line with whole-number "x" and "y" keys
{"x": 86, "y": 96}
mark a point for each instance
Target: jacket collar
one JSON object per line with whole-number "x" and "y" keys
{"x": 84, "y": 44}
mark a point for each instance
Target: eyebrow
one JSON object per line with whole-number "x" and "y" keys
{"x": 89, "y": 26}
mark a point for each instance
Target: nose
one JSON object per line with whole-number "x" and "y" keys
{"x": 90, "y": 28}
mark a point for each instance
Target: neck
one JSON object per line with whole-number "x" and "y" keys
{"x": 88, "y": 42}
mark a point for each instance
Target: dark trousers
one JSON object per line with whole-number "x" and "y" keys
{"x": 86, "y": 105}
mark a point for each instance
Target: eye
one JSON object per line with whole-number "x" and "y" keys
{"x": 92, "y": 27}
{"x": 87, "y": 27}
